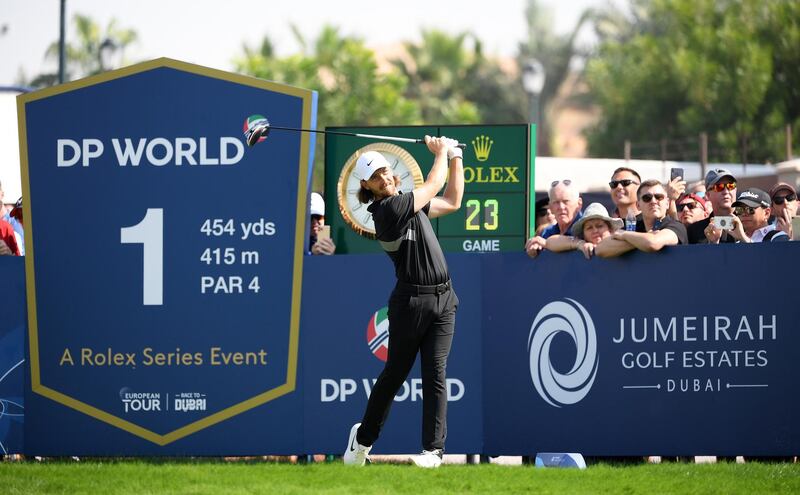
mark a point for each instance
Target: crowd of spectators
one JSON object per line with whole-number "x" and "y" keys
{"x": 650, "y": 215}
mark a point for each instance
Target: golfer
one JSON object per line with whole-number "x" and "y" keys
{"x": 422, "y": 307}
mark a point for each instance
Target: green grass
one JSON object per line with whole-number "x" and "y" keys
{"x": 218, "y": 477}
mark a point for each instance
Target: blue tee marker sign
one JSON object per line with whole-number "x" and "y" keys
{"x": 165, "y": 258}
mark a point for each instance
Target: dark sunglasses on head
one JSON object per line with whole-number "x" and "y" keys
{"x": 649, "y": 197}
{"x": 719, "y": 187}
{"x": 566, "y": 182}
{"x": 744, "y": 210}
{"x": 624, "y": 183}
{"x": 691, "y": 206}
{"x": 778, "y": 200}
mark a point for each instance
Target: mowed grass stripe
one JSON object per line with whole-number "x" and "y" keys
{"x": 142, "y": 477}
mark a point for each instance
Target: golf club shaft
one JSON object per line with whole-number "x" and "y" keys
{"x": 355, "y": 134}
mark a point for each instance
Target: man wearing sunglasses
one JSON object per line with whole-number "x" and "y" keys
{"x": 752, "y": 213}
{"x": 784, "y": 206}
{"x": 691, "y": 208}
{"x": 721, "y": 193}
{"x": 656, "y": 230}
{"x": 623, "y": 185}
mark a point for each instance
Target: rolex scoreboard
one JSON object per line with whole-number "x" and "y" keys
{"x": 496, "y": 211}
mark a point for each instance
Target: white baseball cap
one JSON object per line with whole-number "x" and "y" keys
{"x": 369, "y": 163}
{"x": 317, "y": 205}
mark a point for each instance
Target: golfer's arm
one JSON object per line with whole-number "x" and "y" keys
{"x": 450, "y": 201}
{"x": 434, "y": 183}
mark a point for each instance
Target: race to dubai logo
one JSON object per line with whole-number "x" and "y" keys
{"x": 571, "y": 318}
{"x": 378, "y": 334}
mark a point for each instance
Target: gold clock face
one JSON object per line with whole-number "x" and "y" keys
{"x": 355, "y": 214}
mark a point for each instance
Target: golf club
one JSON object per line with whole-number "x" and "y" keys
{"x": 259, "y": 128}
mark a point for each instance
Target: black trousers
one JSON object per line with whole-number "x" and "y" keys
{"x": 421, "y": 324}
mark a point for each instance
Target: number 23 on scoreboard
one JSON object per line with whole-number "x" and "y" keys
{"x": 490, "y": 209}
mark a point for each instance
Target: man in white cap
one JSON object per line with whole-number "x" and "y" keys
{"x": 422, "y": 306}
{"x": 319, "y": 245}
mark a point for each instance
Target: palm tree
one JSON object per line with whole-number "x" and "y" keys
{"x": 84, "y": 56}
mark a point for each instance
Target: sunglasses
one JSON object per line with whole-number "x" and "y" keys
{"x": 566, "y": 182}
{"x": 778, "y": 200}
{"x": 719, "y": 187}
{"x": 649, "y": 197}
{"x": 744, "y": 210}
{"x": 624, "y": 183}
{"x": 691, "y": 206}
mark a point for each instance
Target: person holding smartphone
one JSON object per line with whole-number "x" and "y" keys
{"x": 721, "y": 193}
{"x": 319, "y": 241}
{"x": 422, "y": 306}
{"x": 751, "y": 223}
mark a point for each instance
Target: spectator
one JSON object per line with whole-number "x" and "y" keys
{"x": 751, "y": 223}
{"x": 624, "y": 182}
{"x": 544, "y": 217}
{"x": 721, "y": 193}
{"x": 319, "y": 245}
{"x": 691, "y": 208}
{"x": 656, "y": 229}
{"x": 565, "y": 204}
{"x": 16, "y": 212}
{"x": 784, "y": 206}
{"x": 8, "y": 240}
{"x": 5, "y": 214}
{"x": 594, "y": 226}
{"x": 699, "y": 188}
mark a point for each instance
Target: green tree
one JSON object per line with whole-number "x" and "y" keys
{"x": 455, "y": 83}
{"x": 84, "y": 55}
{"x": 729, "y": 68}
{"x": 351, "y": 91}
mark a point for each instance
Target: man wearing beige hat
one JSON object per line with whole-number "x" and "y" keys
{"x": 783, "y": 198}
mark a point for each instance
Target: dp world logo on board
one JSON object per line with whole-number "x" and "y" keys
{"x": 572, "y": 319}
{"x": 378, "y": 333}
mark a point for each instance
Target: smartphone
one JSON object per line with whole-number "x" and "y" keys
{"x": 676, "y": 172}
{"x": 324, "y": 232}
{"x": 723, "y": 222}
{"x": 796, "y": 228}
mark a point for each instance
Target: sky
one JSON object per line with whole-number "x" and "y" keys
{"x": 212, "y": 32}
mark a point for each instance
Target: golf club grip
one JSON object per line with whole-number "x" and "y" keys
{"x": 459, "y": 145}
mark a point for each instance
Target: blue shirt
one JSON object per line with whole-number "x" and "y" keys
{"x": 553, "y": 229}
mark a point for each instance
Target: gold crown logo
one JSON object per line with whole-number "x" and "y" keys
{"x": 482, "y": 146}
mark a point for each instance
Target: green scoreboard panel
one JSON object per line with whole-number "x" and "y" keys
{"x": 495, "y": 213}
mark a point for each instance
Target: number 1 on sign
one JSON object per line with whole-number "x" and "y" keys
{"x": 150, "y": 233}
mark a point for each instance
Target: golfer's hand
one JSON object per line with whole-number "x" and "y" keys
{"x": 5, "y": 250}
{"x": 436, "y": 145}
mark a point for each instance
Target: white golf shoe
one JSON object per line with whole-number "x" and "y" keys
{"x": 356, "y": 454}
{"x": 428, "y": 459}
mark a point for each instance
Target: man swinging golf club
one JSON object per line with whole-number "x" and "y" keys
{"x": 422, "y": 306}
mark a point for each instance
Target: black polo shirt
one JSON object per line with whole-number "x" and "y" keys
{"x": 408, "y": 239}
{"x": 668, "y": 223}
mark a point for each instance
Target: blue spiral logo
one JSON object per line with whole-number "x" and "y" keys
{"x": 570, "y": 317}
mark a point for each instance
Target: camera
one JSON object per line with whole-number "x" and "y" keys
{"x": 723, "y": 222}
